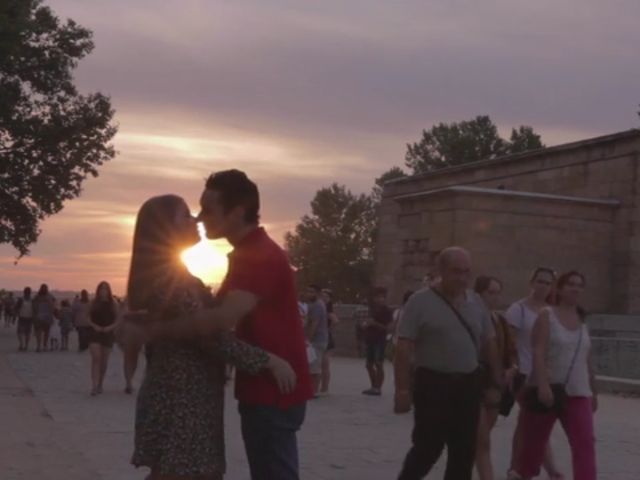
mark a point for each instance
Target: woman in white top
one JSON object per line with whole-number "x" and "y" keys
{"x": 564, "y": 383}
{"x": 522, "y": 316}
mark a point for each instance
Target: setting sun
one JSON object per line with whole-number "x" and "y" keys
{"x": 208, "y": 259}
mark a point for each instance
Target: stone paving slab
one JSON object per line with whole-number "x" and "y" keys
{"x": 346, "y": 435}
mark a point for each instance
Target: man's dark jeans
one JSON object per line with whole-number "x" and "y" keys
{"x": 446, "y": 409}
{"x": 269, "y": 435}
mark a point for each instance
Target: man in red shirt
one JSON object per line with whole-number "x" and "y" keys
{"x": 259, "y": 300}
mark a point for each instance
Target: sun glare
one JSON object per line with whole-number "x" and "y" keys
{"x": 207, "y": 260}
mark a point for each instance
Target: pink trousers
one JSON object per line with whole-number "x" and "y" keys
{"x": 577, "y": 422}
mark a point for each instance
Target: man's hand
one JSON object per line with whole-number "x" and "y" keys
{"x": 402, "y": 402}
{"x": 283, "y": 374}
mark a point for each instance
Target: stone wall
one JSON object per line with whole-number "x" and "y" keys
{"x": 601, "y": 168}
{"x": 616, "y": 345}
{"x": 509, "y": 234}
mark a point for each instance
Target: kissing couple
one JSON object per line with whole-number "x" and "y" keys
{"x": 252, "y": 323}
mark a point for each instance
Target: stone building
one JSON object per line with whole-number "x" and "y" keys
{"x": 572, "y": 206}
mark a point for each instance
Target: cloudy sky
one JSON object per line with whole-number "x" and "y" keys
{"x": 301, "y": 94}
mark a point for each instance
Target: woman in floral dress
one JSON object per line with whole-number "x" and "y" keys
{"x": 179, "y": 427}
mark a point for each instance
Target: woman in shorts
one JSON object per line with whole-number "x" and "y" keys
{"x": 103, "y": 322}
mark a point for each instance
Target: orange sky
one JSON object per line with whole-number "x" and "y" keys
{"x": 301, "y": 95}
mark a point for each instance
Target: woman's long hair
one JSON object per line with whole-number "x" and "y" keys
{"x": 155, "y": 260}
{"x": 98, "y": 301}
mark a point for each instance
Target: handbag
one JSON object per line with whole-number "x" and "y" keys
{"x": 531, "y": 399}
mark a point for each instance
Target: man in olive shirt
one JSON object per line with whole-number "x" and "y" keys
{"x": 448, "y": 332}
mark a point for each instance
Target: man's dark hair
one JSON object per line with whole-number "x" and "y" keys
{"x": 315, "y": 287}
{"x": 236, "y": 190}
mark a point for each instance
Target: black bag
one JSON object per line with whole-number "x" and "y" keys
{"x": 533, "y": 403}
{"x": 508, "y": 399}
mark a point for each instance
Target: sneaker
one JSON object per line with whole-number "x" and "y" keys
{"x": 369, "y": 391}
{"x": 376, "y": 391}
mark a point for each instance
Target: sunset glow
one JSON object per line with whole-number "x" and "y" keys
{"x": 207, "y": 260}
{"x": 302, "y": 97}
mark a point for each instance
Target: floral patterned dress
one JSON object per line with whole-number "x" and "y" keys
{"x": 179, "y": 427}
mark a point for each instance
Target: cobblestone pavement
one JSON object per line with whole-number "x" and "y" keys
{"x": 52, "y": 429}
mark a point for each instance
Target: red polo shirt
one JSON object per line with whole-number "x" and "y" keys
{"x": 259, "y": 266}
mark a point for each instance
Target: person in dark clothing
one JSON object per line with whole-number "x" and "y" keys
{"x": 43, "y": 309}
{"x": 81, "y": 311}
{"x": 332, "y": 320}
{"x": 24, "y": 310}
{"x": 375, "y": 335}
{"x": 103, "y": 320}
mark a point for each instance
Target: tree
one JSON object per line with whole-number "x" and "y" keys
{"x": 51, "y": 137}
{"x": 523, "y": 139}
{"x": 458, "y": 143}
{"x": 333, "y": 245}
{"x": 391, "y": 174}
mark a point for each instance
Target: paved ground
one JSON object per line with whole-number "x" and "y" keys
{"x": 52, "y": 429}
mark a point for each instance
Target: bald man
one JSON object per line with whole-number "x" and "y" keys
{"x": 448, "y": 332}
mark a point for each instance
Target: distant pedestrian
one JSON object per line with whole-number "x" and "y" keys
{"x": 54, "y": 334}
{"x": 375, "y": 335}
{"x": 317, "y": 332}
{"x": 360, "y": 316}
{"x": 332, "y": 320}
{"x": 81, "y": 320}
{"x": 103, "y": 320}
{"x": 24, "y": 308}
{"x": 397, "y": 315}
{"x": 9, "y": 307}
{"x": 66, "y": 324}
{"x": 43, "y": 307}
